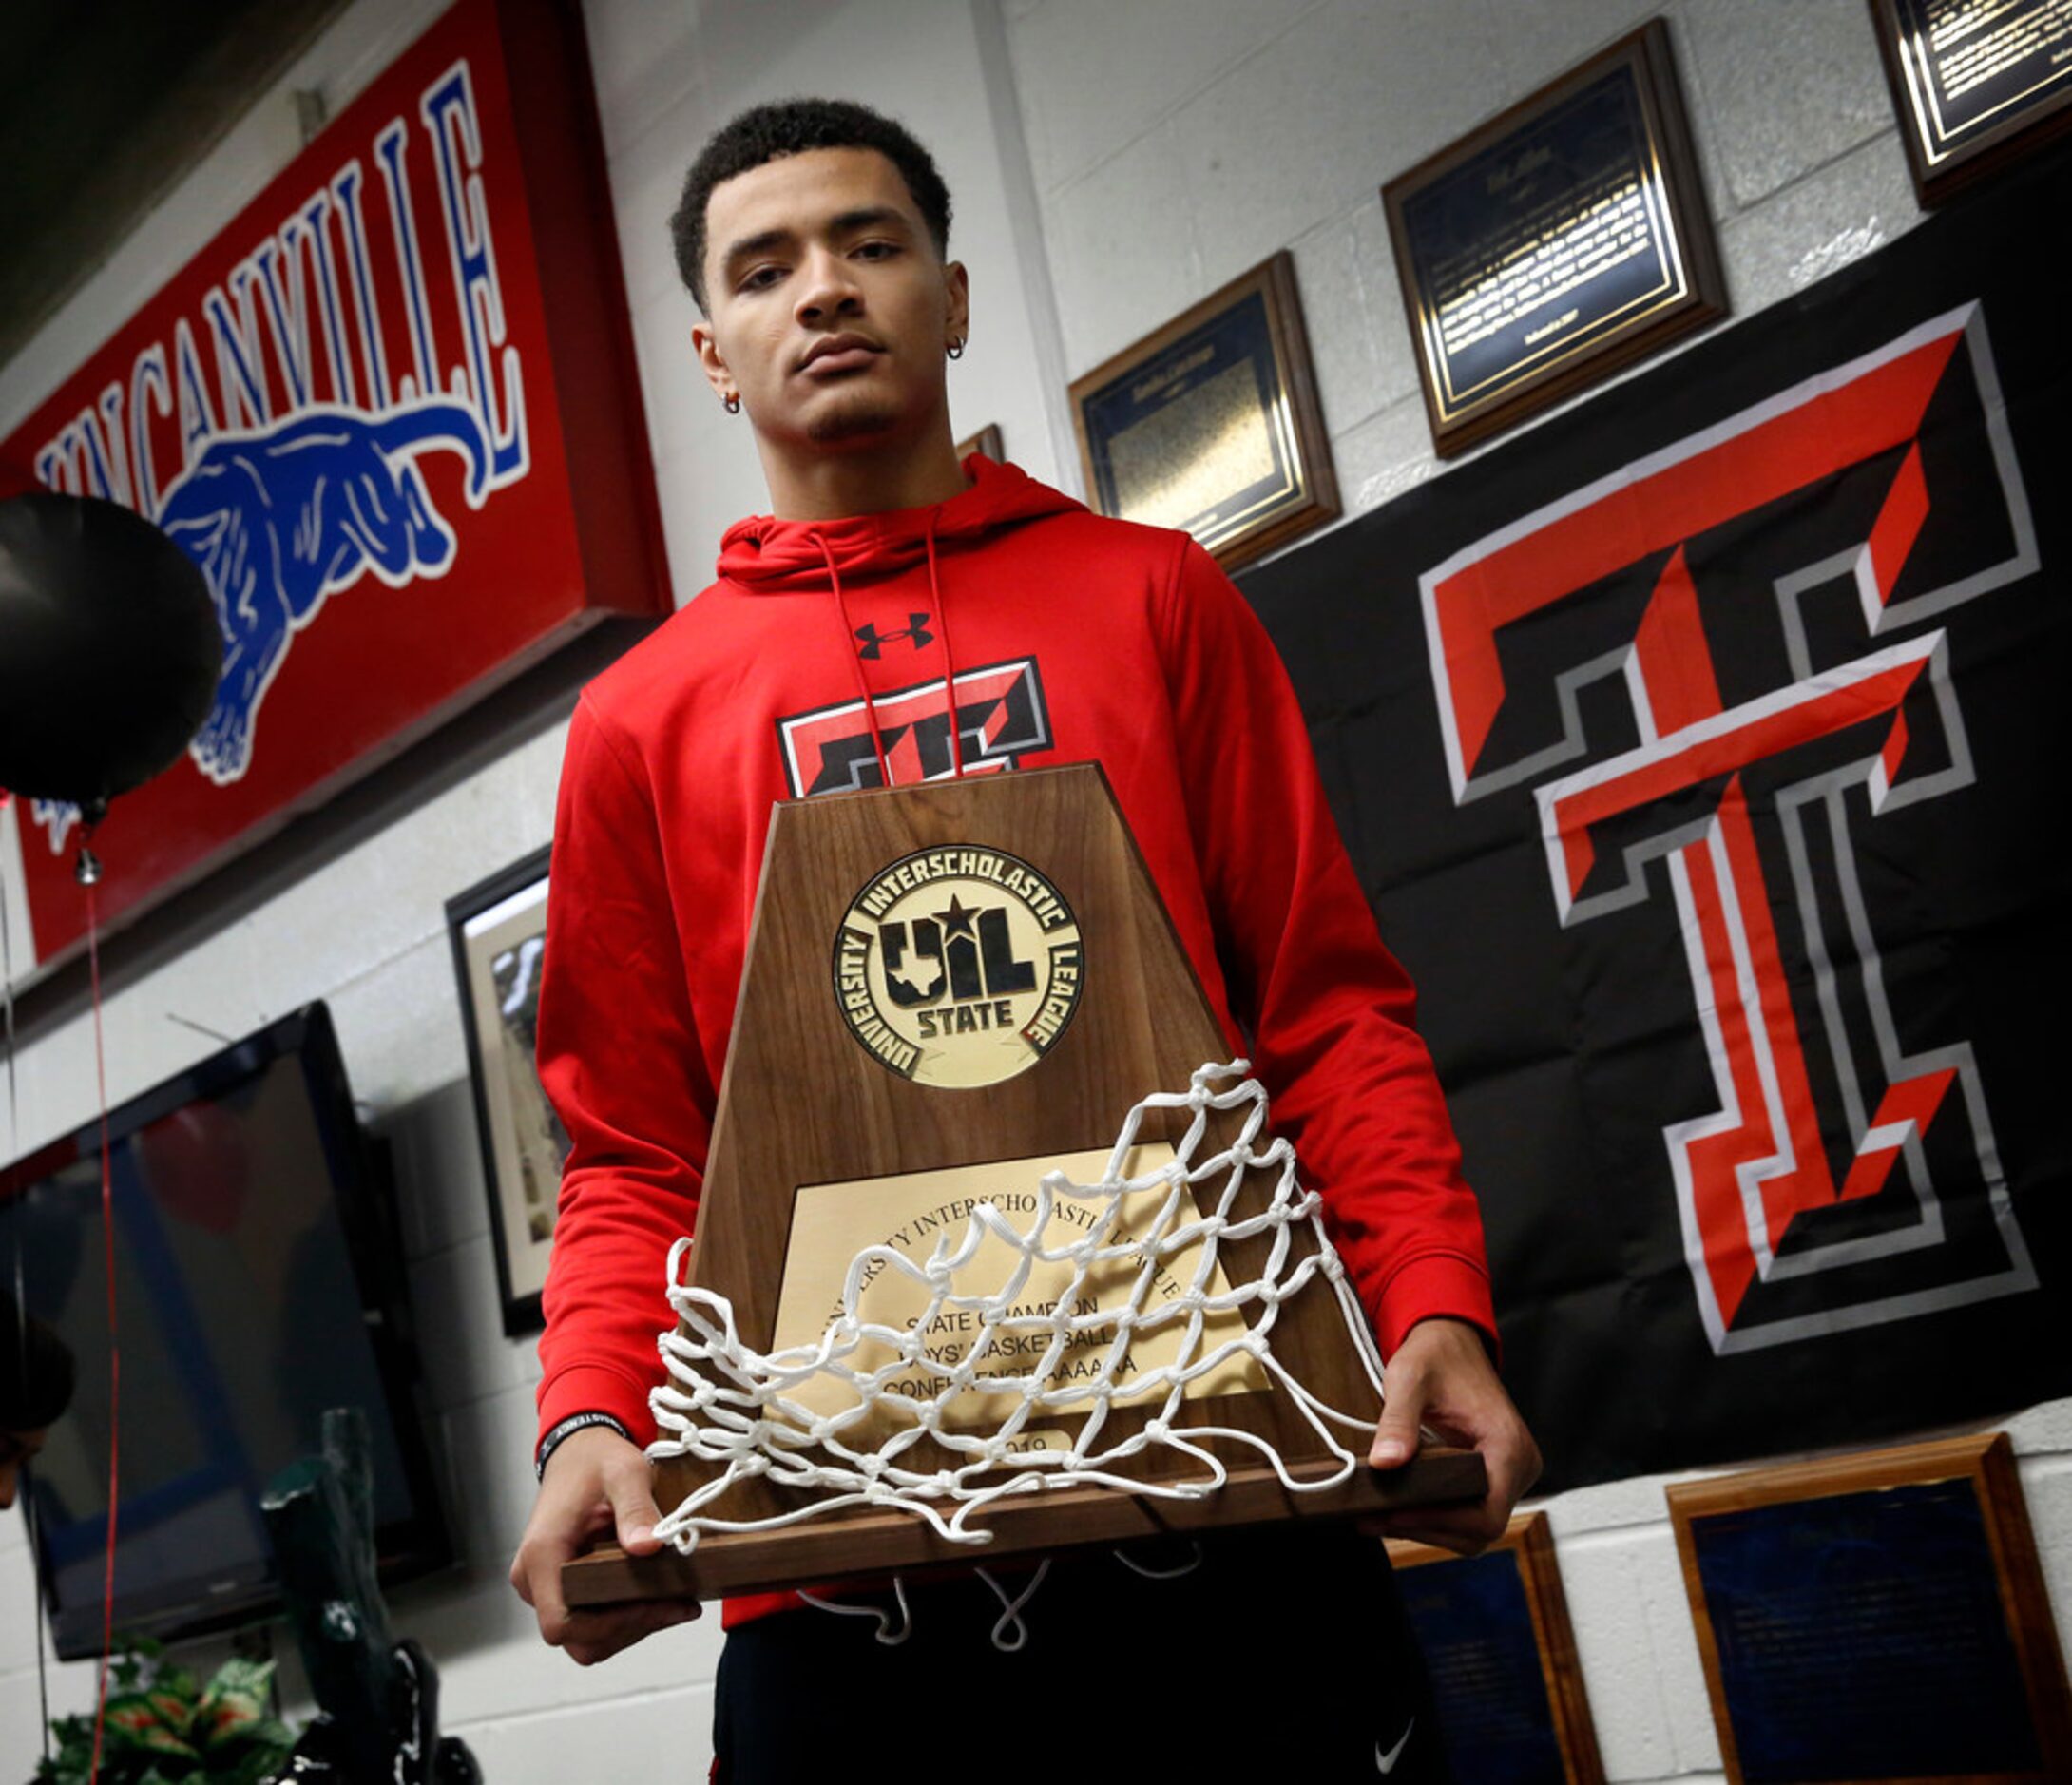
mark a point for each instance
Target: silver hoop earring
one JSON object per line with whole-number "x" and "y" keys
{"x": 733, "y": 404}
{"x": 956, "y": 350}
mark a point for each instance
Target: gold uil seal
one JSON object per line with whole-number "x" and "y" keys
{"x": 958, "y": 967}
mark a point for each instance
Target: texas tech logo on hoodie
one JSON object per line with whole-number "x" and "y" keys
{"x": 1001, "y": 718}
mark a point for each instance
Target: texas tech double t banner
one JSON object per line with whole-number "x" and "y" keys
{"x": 1699, "y": 754}
{"x": 391, "y": 411}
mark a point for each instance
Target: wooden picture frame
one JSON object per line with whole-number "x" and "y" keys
{"x": 1212, "y": 423}
{"x": 1816, "y": 1585}
{"x": 498, "y": 929}
{"x": 1549, "y": 199}
{"x": 2001, "y": 112}
{"x": 985, "y": 440}
{"x": 1527, "y": 1548}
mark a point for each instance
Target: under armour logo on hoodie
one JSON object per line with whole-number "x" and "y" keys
{"x": 874, "y": 640}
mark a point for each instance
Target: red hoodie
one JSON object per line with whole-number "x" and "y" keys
{"x": 1068, "y": 638}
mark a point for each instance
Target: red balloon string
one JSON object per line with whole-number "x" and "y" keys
{"x": 115, "y": 1355}
{"x": 20, "y": 1288}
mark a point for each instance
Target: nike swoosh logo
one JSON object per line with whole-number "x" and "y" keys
{"x": 1385, "y": 1762}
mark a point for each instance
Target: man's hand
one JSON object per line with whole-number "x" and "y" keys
{"x": 1440, "y": 1377}
{"x": 596, "y": 1485}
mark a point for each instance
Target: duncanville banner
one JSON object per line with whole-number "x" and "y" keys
{"x": 391, "y": 411}
{"x": 1697, "y": 752}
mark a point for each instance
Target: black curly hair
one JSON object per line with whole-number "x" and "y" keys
{"x": 789, "y": 126}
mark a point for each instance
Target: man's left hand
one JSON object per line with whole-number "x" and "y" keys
{"x": 1441, "y": 1379}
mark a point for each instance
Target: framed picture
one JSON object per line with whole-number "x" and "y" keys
{"x": 1974, "y": 92}
{"x": 1564, "y": 238}
{"x": 1876, "y": 1618}
{"x": 1212, "y": 424}
{"x": 986, "y": 441}
{"x": 1497, "y": 1644}
{"x": 499, "y": 930}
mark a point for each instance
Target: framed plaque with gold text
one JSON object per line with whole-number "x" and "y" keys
{"x": 1212, "y": 424}
{"x": 1975, "y": 84}
{"x": 1564, "y": 238}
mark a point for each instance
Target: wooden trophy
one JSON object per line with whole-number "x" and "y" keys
{"x": 951, "y": 991}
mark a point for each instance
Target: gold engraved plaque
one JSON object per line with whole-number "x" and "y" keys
{"x": 1978, "y": 83}
{"x": 958, "y": 967}
{"x": 914, "y": 1212}
{"x": 1559, "y": 239}
{"x": 1211, "y": 424}
{"x": 1179, "y": 463}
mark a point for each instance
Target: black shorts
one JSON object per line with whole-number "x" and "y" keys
{"x": 1283, "y": 1655}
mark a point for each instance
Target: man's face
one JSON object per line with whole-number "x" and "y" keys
{"x": 16, "y": 1448}
{"x": 830, "y": 309}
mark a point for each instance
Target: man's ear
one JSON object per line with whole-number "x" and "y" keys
{"x": 709, "y": 361}
{"x": 958, "y": 283}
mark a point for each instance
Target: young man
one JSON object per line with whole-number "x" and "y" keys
{"x": 898, "y": 616}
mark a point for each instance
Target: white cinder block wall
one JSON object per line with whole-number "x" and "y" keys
{"x": 1111, "y": 161}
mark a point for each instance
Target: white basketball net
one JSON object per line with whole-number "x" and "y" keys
{"x": 732, "y": 1406}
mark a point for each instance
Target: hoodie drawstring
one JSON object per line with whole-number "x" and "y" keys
{"x": 949, "y": 654}
{"x": 849, "y": 648}
{"x": 863, "y": 685}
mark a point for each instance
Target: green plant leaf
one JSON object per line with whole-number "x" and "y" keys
{"x": 239, "y": 1674}
{"x": 175, "y": 1709}
{"x": 163, "y": 1730}
{"x": 129, "y": 1714}
{"x": 271, "y": 1731}
{"x": 149, "y": 1720}
{"x": 71, "y": 1732}
{"x": 254, "y": 1767}
{"x": 224, "y": 1717}
{"x": 66, "y": 1767}
{"x": 235, "y": 1700}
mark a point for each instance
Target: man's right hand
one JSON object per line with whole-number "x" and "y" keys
{"x": 596, "y": 1485}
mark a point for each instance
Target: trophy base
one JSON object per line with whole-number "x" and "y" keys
{"x": 854, "y": 1546}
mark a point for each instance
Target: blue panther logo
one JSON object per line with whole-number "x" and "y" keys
{"x": 278, "y": 521}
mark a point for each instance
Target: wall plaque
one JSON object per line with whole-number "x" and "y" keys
{"x": 1212, "y": 423}
{"x": 1975, "y": 84}
{"x": 1876, "y": 1618}
{"x": 1495, "y": 1633}
{"x": 1564, "y": 238}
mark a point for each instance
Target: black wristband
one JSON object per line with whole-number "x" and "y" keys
{"x": 568, "y": 1428}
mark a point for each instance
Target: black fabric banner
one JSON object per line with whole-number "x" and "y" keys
{"x": 1699, "y": 751}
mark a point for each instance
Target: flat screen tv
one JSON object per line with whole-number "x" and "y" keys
{"x": 258, "y": 1283}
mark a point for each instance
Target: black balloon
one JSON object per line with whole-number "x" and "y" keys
{"x": 109, "y": 649}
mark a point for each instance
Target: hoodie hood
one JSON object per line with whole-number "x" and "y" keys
{"x": 766, "y": 556}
